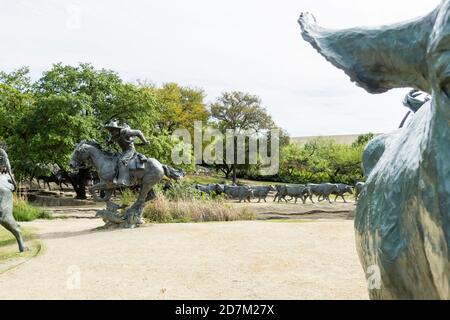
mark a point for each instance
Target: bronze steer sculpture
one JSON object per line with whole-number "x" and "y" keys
{"x": 403, "y": 215}
{"x": 6, "y": 210}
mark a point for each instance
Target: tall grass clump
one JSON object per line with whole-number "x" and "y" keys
{"x": 182, "y": 203}
{"x": 163, "y": 210}
{"x": 128, "y": 197}
{"x": 24, "y": 211}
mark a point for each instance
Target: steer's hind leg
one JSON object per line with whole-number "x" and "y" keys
{"x": 304, "y": 199}
{"x": 12, "y": 226}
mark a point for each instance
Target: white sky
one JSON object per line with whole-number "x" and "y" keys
{"x": 246, "y": 45}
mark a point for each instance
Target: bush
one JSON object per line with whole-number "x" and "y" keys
{"x": 162, "y": 210}
{"x": 128, "y": 197}
{"x": 182, "y": 190}
{"x": 24, "y": 211}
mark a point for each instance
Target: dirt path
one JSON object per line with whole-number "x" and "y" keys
{"x": 290, "y": 211}
{"x": 241, "y": 260}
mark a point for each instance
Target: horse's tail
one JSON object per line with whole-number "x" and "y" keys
{"x": 173, "y": 173}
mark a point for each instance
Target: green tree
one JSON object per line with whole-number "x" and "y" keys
{"x": 179, "y": 107}
{"x": 42, "y": 121}
{"x": 15, "y": 100}
{"x": 18, "y": 79}
{"x": 363, "y": 140}
{"x": 240, "y": 112}
{"x": 321, "y": 160}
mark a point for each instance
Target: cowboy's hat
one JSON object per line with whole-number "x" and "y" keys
{"x": 114, "y": 124}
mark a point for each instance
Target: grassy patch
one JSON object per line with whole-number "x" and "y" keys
{"x": 24, "y": 211}
{"x": 9, "y": 249}
{"x": 162, "y": 210}
{"x": 128, "y": 197}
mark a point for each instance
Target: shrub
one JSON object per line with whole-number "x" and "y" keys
{"x": 162, "y": 210}
{"x": 24, "y": 211}
{"x": 128, "y": 197}
{"x": 181, "y": 191}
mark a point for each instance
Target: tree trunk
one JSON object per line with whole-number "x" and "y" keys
{"x": 235, "y": 161}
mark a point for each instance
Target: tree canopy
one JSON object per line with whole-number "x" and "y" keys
{"x": 244, "y": 114}
{"x": 42, "y": 120}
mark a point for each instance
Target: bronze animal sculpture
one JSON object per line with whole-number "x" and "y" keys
{"x": 7, "y": 187}
{"x": 403, "y": 214}
{"x": 105, "y": 163}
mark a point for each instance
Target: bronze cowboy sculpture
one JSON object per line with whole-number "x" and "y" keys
{"x": 125, "y": 169}
{"x": 124, "y": 137}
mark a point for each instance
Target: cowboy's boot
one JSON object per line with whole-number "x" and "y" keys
{"x": 124, "y": 176}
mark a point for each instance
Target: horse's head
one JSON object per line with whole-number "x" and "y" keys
{"x": 80, "y": 156}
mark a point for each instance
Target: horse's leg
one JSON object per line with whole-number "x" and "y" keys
{"x": 110, "y": 205}
{"x": 108, "y": 195}
{"x": 98, "y": 187}
{"x": 150, "y": 195}
{"x": 134, "y": 213}
{"x": 153, "y": 175}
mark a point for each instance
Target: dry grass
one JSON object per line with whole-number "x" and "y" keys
{"x": 161, "y": 210}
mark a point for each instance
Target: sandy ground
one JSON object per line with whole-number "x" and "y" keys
{"x": 239, "y": 260}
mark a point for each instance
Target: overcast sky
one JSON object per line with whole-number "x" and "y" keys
{"x": 246, "y": 45}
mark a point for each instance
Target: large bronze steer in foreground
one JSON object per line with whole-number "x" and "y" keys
{"x": 6, "y": 210}
{"x": 403, "y": 215}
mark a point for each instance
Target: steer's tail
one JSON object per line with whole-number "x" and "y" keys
{"x": 173, "y": 173}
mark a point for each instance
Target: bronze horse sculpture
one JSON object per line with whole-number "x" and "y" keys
{"x": 403, "y": 215}
{"x": 105, "y": 163}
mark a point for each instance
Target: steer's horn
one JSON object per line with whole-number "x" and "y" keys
{"x": 376, "y": 59}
